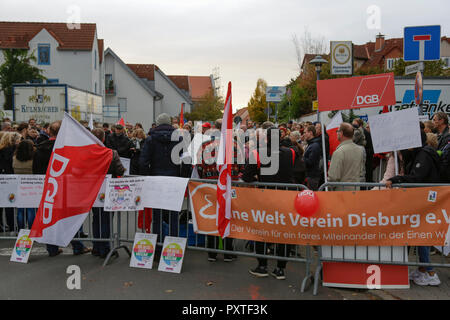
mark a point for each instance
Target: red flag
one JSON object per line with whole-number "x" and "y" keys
{"x": 76, "y": 170}
{"x": 121, "y": 121}
{"x": 181, "y": 116}
{"x": 332, "y": 129}
{"x": 224, "y": 162}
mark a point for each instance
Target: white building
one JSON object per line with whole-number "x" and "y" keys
{"x": 173, "y": 96}
{"x": 68, "y": 56}
{"x": 127, "y": 95}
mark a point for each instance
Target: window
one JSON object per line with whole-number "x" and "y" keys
{"x": 50, "y": 81}
{"x": 96, "y": 87}
{"x": 44, "y": 54}
{"x": 390, "y": 63}
{"x": 446, "y": 62}
{"x": 36, "y": 81}
{"x": 95, "y": 59}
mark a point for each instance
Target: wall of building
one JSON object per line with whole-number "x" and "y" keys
{"x": 171, "y": 103}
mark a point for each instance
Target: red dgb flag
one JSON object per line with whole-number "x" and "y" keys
{"x": 356, "y": 92}
{"x": 77, "y": 168}
{"x": 224, "y": 162}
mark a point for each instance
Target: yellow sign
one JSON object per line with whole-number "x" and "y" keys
{"x": 315, "y": 105}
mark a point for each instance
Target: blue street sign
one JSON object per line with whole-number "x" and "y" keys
{"x": 422, "y": 43}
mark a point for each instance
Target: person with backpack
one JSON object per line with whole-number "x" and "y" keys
{"x": 421, "y": 166}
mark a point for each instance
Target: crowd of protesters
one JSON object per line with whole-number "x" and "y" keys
{"x": 26, "y": 147}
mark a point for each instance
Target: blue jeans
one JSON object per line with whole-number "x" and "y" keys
{"x": 9, "y": 212}
{"x": 77, "y": 246}
{"x": 101, "y": 225}
{"x": 169, "y": 217}
{"x": 30, "y": 213}
{"x": 424, "y": 256}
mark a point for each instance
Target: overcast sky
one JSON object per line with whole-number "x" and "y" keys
{"x": 245, "y": 39}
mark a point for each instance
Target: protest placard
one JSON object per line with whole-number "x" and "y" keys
{"x": 143, "y": 250}
{"x": 124, "y": 194}
{"x": 172, "y": 254}
{"x": 165, "y": 192}
{"x": 9, "y": 184}
{"x": 395, "y": 131}
{"x": 22, "y": 248}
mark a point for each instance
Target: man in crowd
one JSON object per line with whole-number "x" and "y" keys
{"x": 101, "y": 220}
{"x": 43, "y": 133}
{"x": 440, "y": 120}
{"x": 312, "y": 156}
{"x": 208, "y": 170}
{"x": 347, "y": 162}
{"x": 120, "y": 142}
{"x": 106, "y": 130}
{"x": 156, "y": 160}
{"x": 32, "y": 122}
{"x": 6, "y": 126}
{"x": 284, "y": 174}
{"x": 41, "y": 160}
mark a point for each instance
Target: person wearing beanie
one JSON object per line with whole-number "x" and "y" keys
{"x": 156, "y": 160}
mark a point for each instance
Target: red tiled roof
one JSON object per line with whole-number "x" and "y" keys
{"x": 146, "y": 71}
{"x": 17, "y": 35}
{"x": 243, "y": 113}
{"x": 181, "y": 82}
{"x": 101, "y": 46}
{"x": 200, "y": 86}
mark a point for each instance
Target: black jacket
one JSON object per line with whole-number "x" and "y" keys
{"x": 421, "y": 166}
{"x": 121, "y": 143}
{"x": 443, "y": 139}
{"x": 42, "y": 156}
{"x": 155, "y": 157}
{"x": 6, "y": 160}
{"x": 284, "y": 173}
{"x": 312, "y": 157}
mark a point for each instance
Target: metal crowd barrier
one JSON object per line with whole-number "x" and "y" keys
{"x": 399, "y": 255}
{"x": 127, "y": 226}
{"x": 9, "y": 226}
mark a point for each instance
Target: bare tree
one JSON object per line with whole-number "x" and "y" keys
{"x": 308, "y": 44}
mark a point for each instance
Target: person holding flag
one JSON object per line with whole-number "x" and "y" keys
{"x": 227, "y": 170}
{"x": 76, "y": 161}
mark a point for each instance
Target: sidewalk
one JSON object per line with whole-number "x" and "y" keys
{"x": 45, "y": 278}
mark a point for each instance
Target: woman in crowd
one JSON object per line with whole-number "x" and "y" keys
{"x": 23, "y": 164}
{"x": 8, "y": 145}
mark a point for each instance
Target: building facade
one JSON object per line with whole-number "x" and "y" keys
{"x": 66, "y": 56}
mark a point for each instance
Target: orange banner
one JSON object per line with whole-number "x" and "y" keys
{"x": 397, "y": 217}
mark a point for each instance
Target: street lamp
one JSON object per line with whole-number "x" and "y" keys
{"x": 317, "y": 62}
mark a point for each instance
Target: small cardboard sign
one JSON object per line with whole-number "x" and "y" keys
{"x": 22, "y": 248}
{"x": 143, "y": 250}
{"x": 172, "y": 254}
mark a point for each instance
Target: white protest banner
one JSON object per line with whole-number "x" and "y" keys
{"x": 100, "y": 200}
{"x": 143, "y": 250}
{"x": 126, "y": 164}
{"x": 9, "y": 184}
{"x": 172, "y": 254}
{"x": 124, "y": 194}
{"x": 30, "y": 190}
{"x": 22, "y": 248}
{"x": 165, "y": 192}
{"x": 395, "y": 131}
